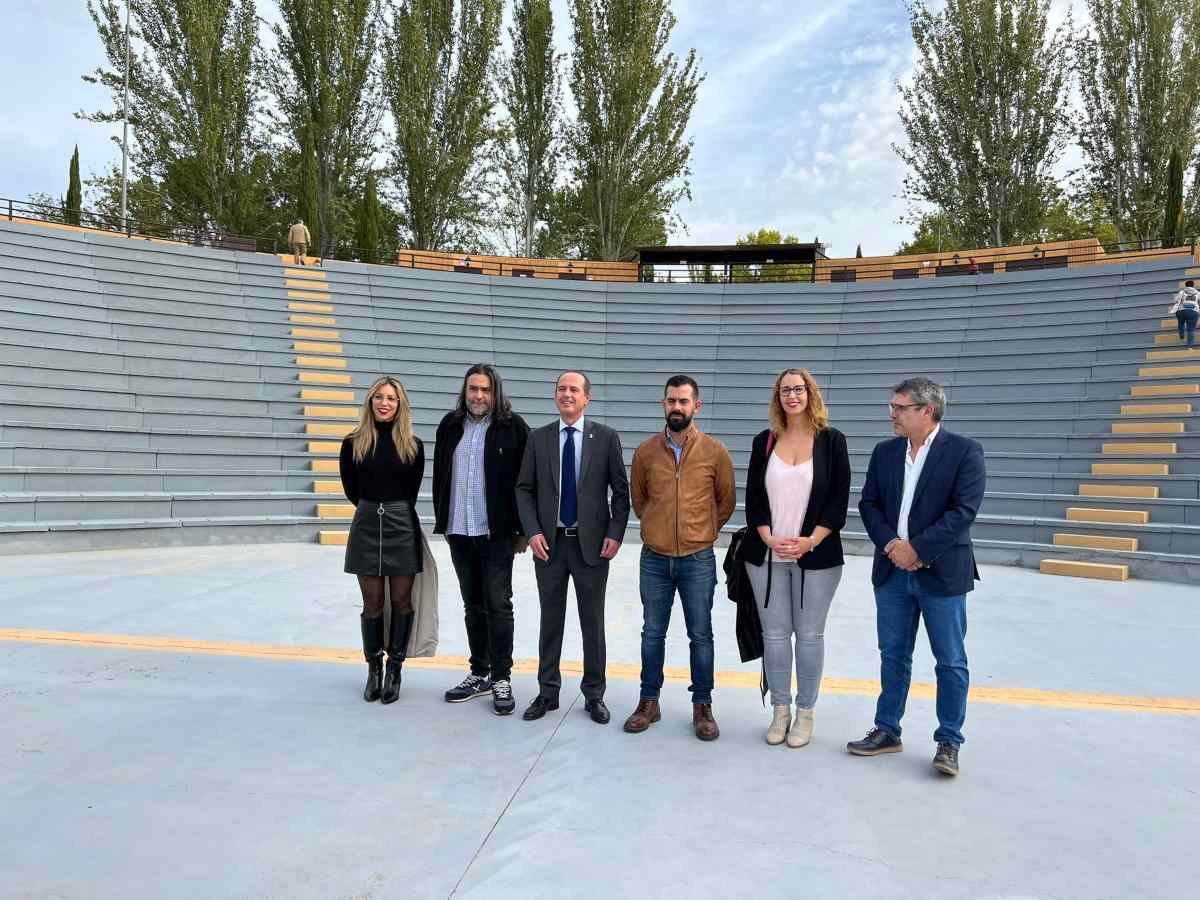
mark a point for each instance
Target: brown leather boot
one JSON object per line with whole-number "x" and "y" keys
{"x": 704, "y": 723}
{"x": 643, "y": 717}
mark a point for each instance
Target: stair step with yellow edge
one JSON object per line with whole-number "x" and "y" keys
{"x": 1165, "y": 390}
{"x": 297, "y": 306}
{"x": 324, "y": 334}
{"x": 324, "y": 466}
{"x": 1147, "y": 428}
{"x": 326, "y": 447}
{"x": 304, "y": 273}
{"x": 334, "y": 429}
{"x": 1120, "y": 516}
{"x": 306, "y": 319}
{"x": 309, "y": 295}
{"x": 290, "y": 259}
{"x": 334, "y": 396}
{"x": 317, "y": 362}
{"x": 315, "y": 347}
{"x": 327, "y": 487}
{"x": 331, "y": 412}
{"x": 1081, "y": 569}
{"x": 323, "y": 378}
{"x": 1137, "y": 449}
{"x": 334, "y": 510}
{"x": 333, "y": 538}
{"x": 1168, "y": 339}
{"x": 1155, "y": 409}
{"x": 1168, "y": 371}
{"x": 1191, "y": 271}
{"x": 1130, "y": 469}
{"x": 1096, "y": 542}
{"x": 1192, "y": 353}
{"x": 1145, "y": 491}
{"x": 304, "y": 285}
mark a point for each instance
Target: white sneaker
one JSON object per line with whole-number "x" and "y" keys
{"x": 779, "y": 725}
{"x": 802, "y": 728}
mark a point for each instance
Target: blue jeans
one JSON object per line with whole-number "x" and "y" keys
{"x": 695, "y": 578}
{"x": 1187, "y": 325}
{"x": 899, "y": 604}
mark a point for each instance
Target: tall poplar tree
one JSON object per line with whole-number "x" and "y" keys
{"x": 629, "y": 156}
{"x": 192, "y": 99}
{"x": 984, "y": 116}
{"x": 74, "y": 202}
{"x": 437, "y": 81}
{"x": 1139, "y": 79}
{"x": 1172, "y": 233}
{"x": 531, "y": 89}
{"x": 324, "y": 80}
{"x": 370, "y": 216}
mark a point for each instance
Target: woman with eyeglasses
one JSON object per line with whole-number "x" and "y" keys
{"x": 797, "y": 491}
{"x": 382, "y": 463}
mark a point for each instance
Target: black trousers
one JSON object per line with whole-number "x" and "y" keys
{"x": 590, "y": 581}
{"x": 484, "y": 567}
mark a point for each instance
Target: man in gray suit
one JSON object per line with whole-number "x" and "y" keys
{"x": 563, "y": 498}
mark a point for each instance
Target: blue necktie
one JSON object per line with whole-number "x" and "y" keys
{"x": 567, "y": 508}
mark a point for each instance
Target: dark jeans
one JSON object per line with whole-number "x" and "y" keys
{"x": 1187, "y": 324}
{"x": 695, "y": 578}
{"x": 484, "y": 568}
{"x": 900, "y": 604}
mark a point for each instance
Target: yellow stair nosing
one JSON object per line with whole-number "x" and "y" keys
{"x": 1148, "y": 428}
{"x": 327, "y": 487}
{"x": 323, "y": 466}
{"x": 1107, "y": 516}
{"x": 1082, "y": 569}
{"x": 1167, "y": 371}
{"x": 306, "y": 319}
{"x": 1140, "y": 448}
{"x": 311, "y": 307}
{"x": 331, "y": 412}
{"x": 1155, "y": 409}
{"x": 309, "y": 295}
{"x": 327, "y": 395}
{"x": 323, "y": 378}
{"x": 334, "y": 510}
{"x": 305, "y": 272}
{"x": 1095, "y": 542}
{"x": 327, "y": 429}
{"x": 333, "y": 538}
{"x": 1137, "y": 491}
{"x": 1165, "y": 390}
{"x": 316, "y": 362}
{"x": 325, "y": 447}
{"x": 315, "y": 347}
{"x": 1131, "y": 469}
{"x": 328, "y": 334}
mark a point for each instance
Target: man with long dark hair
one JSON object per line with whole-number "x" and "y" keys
{"x": 477, "y": 457}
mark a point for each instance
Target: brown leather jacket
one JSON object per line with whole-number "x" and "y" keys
{"x": 682, "y": 508}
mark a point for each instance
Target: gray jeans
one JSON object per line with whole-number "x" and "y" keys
{"x": 799, "y": 605}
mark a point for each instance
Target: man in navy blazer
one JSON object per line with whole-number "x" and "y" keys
{"x": 922, "y": 493}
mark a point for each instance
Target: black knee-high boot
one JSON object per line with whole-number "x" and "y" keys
{"x": 372, "y": 639}
{"x": 397, "y": 651}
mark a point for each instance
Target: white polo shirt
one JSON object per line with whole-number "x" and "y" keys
{"x": 912, "y": 474}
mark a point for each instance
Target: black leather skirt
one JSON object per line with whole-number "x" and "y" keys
{"x": 385, "y": 539}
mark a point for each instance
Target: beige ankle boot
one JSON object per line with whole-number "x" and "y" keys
{"x": 802, "y": 727}
{"x": 779, "y": 725}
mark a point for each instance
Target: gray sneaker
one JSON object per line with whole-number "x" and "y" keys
{"x": 946, "y": 759}
{"x": 469, "y": 688}
{"x": 502, "y": 697}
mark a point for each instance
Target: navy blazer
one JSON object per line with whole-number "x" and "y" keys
{"x": 946, "y": 502}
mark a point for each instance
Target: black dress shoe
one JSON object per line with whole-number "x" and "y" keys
{"x": 877, "y": 741}
{"x": 598, "y": 711}
{"x": 946, "y": 759}
{"x": 537, "y": 708}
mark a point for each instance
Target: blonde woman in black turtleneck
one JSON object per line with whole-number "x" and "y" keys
{"x": 382, "y": 464}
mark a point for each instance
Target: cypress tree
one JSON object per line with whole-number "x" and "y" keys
{"x": 1173, "y": 220}
{"x": 74, "y": 202}
{"x": 367, "y": 236}
{"x": 858, "y": 252}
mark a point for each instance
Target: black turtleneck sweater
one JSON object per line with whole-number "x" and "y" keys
{"x": 381, "y": 476}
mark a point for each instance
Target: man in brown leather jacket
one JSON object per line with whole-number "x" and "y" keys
{"x": 683, "y": 492}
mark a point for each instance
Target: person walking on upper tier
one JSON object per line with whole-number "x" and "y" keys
{"x": 298, "y": 240}
{"x": 476, "y": 460}
{"x": 683, "y": 494}
{"x": 382, "y": 463}
{"x": 922, "y": 492}
{"x": 573, "y": 499}
{"x": 797, "y": 492}
{"x": 1186, "y": 309}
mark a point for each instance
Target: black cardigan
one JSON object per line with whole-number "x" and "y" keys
{"x": 503, "y": 447}
{"x": 826, "y": 504}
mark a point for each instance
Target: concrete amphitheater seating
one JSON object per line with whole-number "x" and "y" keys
{"x": 155, "y": 393}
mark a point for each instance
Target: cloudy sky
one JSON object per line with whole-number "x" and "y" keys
{"x": 793, "y": 128}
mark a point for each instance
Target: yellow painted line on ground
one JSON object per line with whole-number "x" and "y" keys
{"x": 862, "y": 687}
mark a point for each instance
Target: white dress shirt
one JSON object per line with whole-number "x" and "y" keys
{"x": 912, "y": 474}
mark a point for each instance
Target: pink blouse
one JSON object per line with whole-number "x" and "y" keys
{"x": 788, "y": 490}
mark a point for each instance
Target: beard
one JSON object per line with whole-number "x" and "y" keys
{"x": 478, "y": 408}
{"x": 678, "y": 422}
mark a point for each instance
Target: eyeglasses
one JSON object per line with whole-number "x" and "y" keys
{"x": 900, "y": 407}
{"x": 792, "y": 391}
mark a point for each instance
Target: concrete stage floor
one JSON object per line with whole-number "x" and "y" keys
{"x": 186, "y": 723}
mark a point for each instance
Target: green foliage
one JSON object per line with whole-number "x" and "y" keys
{"x": 629, "y": 158}
{"x": 436, "y": 79}
{"x": 530, "y": 84}
{"x": 74, "y": 200}
{"x": 765, "y": 236}
{"x": 308, "y": 199}
{"x": 1138, "y": 69}
{"x": 769, "y": 237}
{"x": 370, "y": 220}
{"x": 858, "y": 252}
{"x": 1172, "y": 234}
{"x": 936, "y": 232}
{"x": 984, "y": 115}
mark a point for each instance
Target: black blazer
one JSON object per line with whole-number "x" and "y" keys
{"x": 945, "y": 504}
{"x": 826, "y": 505}
{"x": 601, "y": 471}
{"x": 503, "y": 447}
